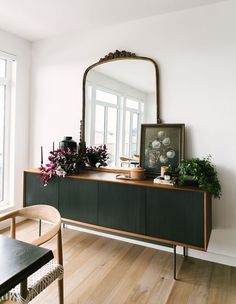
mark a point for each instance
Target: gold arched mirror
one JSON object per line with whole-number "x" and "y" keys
{"x": 120, "y": 92}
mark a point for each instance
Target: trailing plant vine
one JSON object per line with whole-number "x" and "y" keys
{"x": 203, "y": 172}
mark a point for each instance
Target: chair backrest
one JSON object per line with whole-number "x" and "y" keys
{"x": 39, "y": 212}
{"x": 123, "y": 158}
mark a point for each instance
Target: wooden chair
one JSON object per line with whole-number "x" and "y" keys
{"x": 125, "y": 161}
{"x": 42, "y": 278}
{"x": 129, "y": 161}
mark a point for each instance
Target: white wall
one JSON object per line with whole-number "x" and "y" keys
{"x": 19, "y": 146}
{"x": 196, "y": 54}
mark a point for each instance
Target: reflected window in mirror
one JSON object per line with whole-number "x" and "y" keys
{"x": 120, "y": 95}
{"x": 115, "y": 116}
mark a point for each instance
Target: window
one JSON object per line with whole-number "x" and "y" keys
{"x": 104, "y": 111}
{"x": 106, "y": 97}
{"x": 115, "y": 120}
{"x": 133, "y": 118}
{"x": 2, "y": 107}
{"x": 7, "y": 63}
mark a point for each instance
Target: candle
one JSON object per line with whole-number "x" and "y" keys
{"x": 41, "y": 155}
{"x": 53, "y": 146}
{"x": 164, "y": 169}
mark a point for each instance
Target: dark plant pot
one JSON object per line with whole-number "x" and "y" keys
{"x": 92, "y": 160}
{"x": 68, "y": 143}
{"x": 189, "y": 181}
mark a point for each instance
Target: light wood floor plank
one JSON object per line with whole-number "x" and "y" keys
{"x": 222, "y": 285}
{"x": 193, "y": 282}
{"x": 163, "y": 278}
{"x": 134, "y": 286}
{"x": 100, "y": 270}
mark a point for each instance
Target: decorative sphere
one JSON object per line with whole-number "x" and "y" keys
{"x": 156, "y": 144}
{"x": 161, "y": 134}
{"x": 163, "y": 159}
{"x": 166, "y": 141}
{"x": 170, "y": 154}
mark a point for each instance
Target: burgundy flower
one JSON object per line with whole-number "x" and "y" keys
{"x": 63, "y": 162}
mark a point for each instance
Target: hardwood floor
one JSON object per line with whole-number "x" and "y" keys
{"x": 100, "y": 270}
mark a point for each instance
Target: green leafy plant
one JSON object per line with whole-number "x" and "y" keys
{"x": 202, "y": 171}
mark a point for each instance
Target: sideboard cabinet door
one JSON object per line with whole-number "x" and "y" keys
{"x": 78, "y": 200}
{"x": 176, "y": 215}
{"x": 35, "y": 193}
{"x": 122, "y": 207}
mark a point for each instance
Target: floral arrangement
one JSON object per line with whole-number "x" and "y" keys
{"x": 65, "y": 161}
{"x": 96, "y": 156}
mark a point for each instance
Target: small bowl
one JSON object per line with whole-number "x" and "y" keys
{"x": 137, "y": 173}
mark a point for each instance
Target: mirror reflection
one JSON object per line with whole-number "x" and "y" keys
{"x": 120, "y": 95}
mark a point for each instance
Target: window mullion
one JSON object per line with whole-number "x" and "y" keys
{"x": 93, "y": 110}
{"x": 118, "y": 131}
{"x": 138, "y": 133}
{"x": 7, "y": 129}
{"x": 130, "y": 134}
{"x": 105, "y": 124}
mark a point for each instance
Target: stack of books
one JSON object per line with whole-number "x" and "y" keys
{"x": 161, "y": 180}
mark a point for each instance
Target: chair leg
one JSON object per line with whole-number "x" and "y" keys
{"x": 174, "y": 262}
{"x": 61, "y": 291}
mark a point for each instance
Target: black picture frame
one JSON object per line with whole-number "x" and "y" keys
{"x": 161, "y": 145}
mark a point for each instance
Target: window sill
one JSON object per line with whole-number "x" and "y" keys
{"x": 6, "y": 207}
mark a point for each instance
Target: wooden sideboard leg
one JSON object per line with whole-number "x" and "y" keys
{"x": 185, "y": 251}
{"x": 174, "y": 262}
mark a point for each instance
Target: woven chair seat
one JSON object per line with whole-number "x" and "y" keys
{"x": 36, "y": 283}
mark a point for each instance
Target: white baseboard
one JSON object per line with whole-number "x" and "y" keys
{"x": 7, "y": 223}
{"x": 208, "y": 256}
{"x": 213, "y": 257}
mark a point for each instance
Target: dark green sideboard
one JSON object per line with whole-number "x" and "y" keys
{"x": 141, "y": 210}
{"x": 136, "y": 209}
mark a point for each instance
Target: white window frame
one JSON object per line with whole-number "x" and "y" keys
{"x": 9, "y": 120}
{"x": 106, "y": 105}
{"x": 121, "y": 112}
{"x": 140, "y": 119}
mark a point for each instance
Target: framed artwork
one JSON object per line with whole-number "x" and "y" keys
{"x": 161, "y": 145}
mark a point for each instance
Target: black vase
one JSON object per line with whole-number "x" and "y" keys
{"x": 68, "y": 143}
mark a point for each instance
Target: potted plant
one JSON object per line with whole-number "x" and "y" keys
{"x": 200, "y": 171}
{"x": 97, "y": 156}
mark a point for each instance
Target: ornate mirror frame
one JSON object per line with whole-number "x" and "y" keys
{"x": 117, "y": 55}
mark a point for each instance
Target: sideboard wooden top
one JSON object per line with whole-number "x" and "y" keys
{"x": 95, "y": 175}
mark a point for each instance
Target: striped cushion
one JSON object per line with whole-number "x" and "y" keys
{"x": 37, "y": 282}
